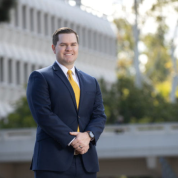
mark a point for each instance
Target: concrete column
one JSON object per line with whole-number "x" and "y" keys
{"x": 19, "y": 15}
{"x": 35, "y": 25}
{"x": 55, "y": 24}
{"x": 42, "y": 17}
{"x": 28, "y": 20}
{"x": 12, "y": 17}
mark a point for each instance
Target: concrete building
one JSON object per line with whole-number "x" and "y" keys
{"x": 25, "y": 44}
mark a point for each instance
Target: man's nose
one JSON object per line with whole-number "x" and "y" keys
{"x": 68, "y": 48}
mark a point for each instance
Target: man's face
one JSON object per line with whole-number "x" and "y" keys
{"x": 66, "y": 49}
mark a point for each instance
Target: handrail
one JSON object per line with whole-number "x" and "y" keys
{"x": 119, "y": 129}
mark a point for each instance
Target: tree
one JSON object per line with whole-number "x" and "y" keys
{"x": 136, "y": 105}
{"x": 20, "y": 118}
{"x": 5, "y": 7}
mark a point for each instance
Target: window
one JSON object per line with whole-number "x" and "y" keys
{"x": 52, "y": 24}
{"x": 101, "y": 43}
{"x": 81, "y": 36}
{"x": 72, "y": 26}
{"x": 78, "y": 31}
{"x": 84, "y": 37}
{"x": 97, "y": 41}
{"x": 17, "y": 72}
{"x": 1, "y": 69}
{"x": 31, "y": 20}
{"x": 89, "y": 39}
{"x": 33, "y": 68}
{"x": 46, "y": 24}
{"x": 10, "y": 71}
{"x": 94, "y": 45}
{"x": 65, "y": 24}
{"x": 110, "y": 46}
{"x": 25, "y": 73}
{"x": 24, "y": 23}
{"x": 39, "y": 22}
{"x": 59, "y": 23}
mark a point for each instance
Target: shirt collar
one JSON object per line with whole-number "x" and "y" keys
{"x": 65, "y": 69}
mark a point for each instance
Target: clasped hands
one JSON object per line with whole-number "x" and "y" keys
{"x": 81, "y": 142}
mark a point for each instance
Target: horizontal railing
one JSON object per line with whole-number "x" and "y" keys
{"x": 11, "y": 134}
{"x": 143, "y": 128}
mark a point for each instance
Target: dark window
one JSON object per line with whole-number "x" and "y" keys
{"x": 39, "y": 21}
{"x": 33, "y": 68}
{"x": 65, "y": 24}
{"x": 59, "y": 23}
{"x": 52, "y": 24}
{"x": 89, "y": 39}
{"x": 46, "y": 24}
{"x": 16, "y": 17}
{"x": 10, "y": 71}
{"x": 1, "y": 69}
{"x": 84, "y": 37}
{"x": 25, "y": 73}
{"x": 17, "y": 72}
{"x": 32, "y": 20}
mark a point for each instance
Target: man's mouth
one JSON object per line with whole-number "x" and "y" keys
{"x": 68, "y": 54}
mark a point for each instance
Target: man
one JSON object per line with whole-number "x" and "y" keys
{"x": 67, "y": 106}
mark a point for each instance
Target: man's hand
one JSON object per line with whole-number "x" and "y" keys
{"x": 81, "y": 142}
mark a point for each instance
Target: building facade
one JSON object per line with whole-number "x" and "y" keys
{"x": 25, "y": 44}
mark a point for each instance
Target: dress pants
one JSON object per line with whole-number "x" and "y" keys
{"x": 76, "y": 170}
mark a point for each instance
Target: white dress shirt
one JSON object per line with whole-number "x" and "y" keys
{"x": 65, "y": 70}
{"x": 75, "y": 77}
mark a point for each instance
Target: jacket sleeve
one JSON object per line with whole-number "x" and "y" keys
{"x": 40, "y": 106}
{"x": 98, "y": 118}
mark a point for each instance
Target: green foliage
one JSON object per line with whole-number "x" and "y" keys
{"x": 5, "y": 6}
{"x": 134, "y": 105}
{"x": 20, "y": 118}
{"x": 159, "y": 65}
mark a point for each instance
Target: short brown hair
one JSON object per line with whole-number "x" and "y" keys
{"x": 62, "y": 31}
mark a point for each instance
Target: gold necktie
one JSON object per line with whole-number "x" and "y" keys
{"x": 76, "y": 90}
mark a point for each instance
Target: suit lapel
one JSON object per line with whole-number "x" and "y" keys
{"x": 81, "y": 82}
{"x": 58, "y": 71}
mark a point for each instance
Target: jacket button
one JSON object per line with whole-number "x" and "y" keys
{"x": 79, "y": 117}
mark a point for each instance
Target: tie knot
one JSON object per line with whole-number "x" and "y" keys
{"x": 69, "y": 72}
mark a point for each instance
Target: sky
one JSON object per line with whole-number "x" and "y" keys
{"x": 123, "y": 9}
{"x": 114, "y": 9}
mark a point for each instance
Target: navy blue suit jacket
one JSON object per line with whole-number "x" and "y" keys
{"x": 52, "y": 103}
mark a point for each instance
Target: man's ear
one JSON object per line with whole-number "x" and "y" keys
{"x": 54, "y": 49}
